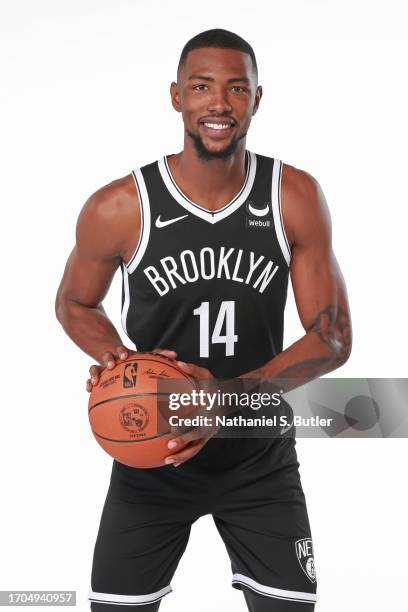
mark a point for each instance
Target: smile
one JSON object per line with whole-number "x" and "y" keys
{"x": 216, "y": 129}
{"x": 218, "y": 126}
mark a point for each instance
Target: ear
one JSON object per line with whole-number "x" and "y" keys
{"x": 175, "y": 97}
{"x": 258, "y": 96}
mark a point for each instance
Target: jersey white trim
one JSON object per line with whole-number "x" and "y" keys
{"x": 200, "y": 211}
{"x": 126, "y": 301}
{"x": 144, "y": 221}
{"x": 141, "y": 245}
{"x": 272, "y": 592}
{"x": 277, "y": 210}
{"x": 128, "y": 600}
{"x": 141, "y": 220}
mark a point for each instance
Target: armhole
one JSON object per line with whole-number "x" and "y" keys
{"x": 144, "y": 222}
{"x": 125, "y": 299}
{"x": 277, "y": 210}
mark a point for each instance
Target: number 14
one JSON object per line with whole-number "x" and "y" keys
{"x": 226, "y": 313}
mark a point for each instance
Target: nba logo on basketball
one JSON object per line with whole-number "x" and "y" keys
{"x": 129, "y": 375}
{"x": 304, "y": 552}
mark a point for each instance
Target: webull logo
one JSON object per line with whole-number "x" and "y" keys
{"x": 256, "y": 216}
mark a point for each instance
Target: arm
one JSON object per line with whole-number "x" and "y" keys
{"x": 102, "y": 239}
{"x": 318, "y": 286}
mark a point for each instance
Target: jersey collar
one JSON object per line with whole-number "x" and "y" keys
{"x": 200, "y": 211}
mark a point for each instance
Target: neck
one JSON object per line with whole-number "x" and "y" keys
{"x": 209, "y": 183}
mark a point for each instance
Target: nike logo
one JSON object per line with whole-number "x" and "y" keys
{"x": 160, "y": 223}
{"x": 285, "y": 429}
{"x": 258, "y": 212}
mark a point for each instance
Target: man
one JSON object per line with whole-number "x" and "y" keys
{"x": 206, "y": 239}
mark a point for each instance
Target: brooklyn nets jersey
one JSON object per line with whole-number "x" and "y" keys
{"x": 210, "y": 285}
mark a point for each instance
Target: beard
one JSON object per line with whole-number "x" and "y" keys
{"x": 206, "y": 155}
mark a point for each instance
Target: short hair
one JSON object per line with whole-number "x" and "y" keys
{"x": 220, "y": 39}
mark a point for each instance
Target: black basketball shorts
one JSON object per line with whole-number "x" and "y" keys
{"x": 253, "y": 490}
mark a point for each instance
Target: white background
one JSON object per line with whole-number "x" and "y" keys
{"x": 86, "y": 99}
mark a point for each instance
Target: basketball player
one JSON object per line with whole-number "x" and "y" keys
{"x": 206, "y": 239}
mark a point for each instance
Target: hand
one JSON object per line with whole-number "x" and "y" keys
{"x": 109, "y": 360}
{"x": 193, "y": 440}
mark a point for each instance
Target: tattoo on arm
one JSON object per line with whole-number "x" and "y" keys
{"x": 332, "y": 326}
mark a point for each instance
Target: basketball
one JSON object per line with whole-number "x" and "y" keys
{"x": 128, "y": 409}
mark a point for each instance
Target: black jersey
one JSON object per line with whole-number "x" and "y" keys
{"x": 210, "y": 285}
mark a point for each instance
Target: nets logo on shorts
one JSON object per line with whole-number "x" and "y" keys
{"x": 304, "y": 552}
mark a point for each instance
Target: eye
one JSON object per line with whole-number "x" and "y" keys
{"x": 199, "y": 85}
{"x": 238, "y": 87}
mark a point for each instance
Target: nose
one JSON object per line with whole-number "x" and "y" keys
{"x": 218, "y": 102}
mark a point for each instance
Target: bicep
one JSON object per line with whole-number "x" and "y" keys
{"x": 318, "y": 284}
{"x": 95, "y": 257}
{"x": 317, "y": 281}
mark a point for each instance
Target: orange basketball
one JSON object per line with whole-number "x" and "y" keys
{"x": 128, "y": 408}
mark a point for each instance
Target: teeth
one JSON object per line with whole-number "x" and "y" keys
{"x": 217, "y": 126}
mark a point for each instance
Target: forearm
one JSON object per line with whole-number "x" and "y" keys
{"x": 89, "y": 328}
{"x": 325, "y": 347}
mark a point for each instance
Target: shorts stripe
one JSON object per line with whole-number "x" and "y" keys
{"x": 128, "y": 600}
{"x": 272, "y": 592}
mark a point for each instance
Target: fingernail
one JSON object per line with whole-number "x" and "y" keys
{"x": 182, "y": 364}
{"x": 93, "y": 379}
{"x": 176, "y": 464}
{"x": 172, "y": 444}
{"x": 169, "y": 460}
{"x": 123, "y": 356}
{"x": 110, "y": 364}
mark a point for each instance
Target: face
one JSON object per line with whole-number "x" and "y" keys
{"x": 217, "y": 94}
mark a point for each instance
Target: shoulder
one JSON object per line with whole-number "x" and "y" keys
{"x": 111, "y": 199}
{"x": 104, "y": 219}
{"x": 298, "y": 183}
{"x": 304, "y": 207}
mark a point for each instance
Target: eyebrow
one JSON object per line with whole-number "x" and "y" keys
{"x": 207, "y": 78}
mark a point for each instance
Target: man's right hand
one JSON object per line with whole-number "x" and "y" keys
{"x": 110, "y": 359}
